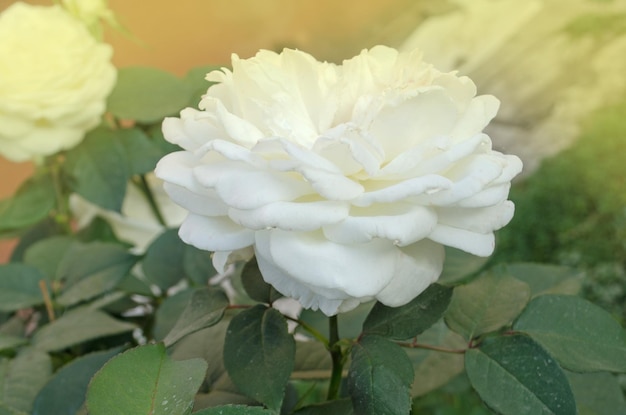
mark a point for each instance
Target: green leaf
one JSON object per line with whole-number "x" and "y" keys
{"x": 65, "y": 391}
{"x": 198, "y": 265}
{"x": 78, "y": 326}
{"x": 459, "y": 265}
{"x": 99, "y": 168}
{"x": 44, "y": 229}
{"x": 156, "y": 135}
{"x": 514, "y": 375}
{"x": 409, "y": 320}
{"x": 312, "y": 361}
{"x": 350, "y": 323}
{"x": 379, "y": 377}
{"x": 147, "y": 95}
{"x": 198, "y": 85}
{"x": 19, "y": 286}
{"x": 205, "y": 308}
{"x": 144, "y": 380}
{"x": 235, "y": 410}
{"x": 208, "y": 344}
{"x": 46, "y": 254}
{"x": 580, "y": 335}
{"x": 434, "y": 369}
{"x": 255, "y": 285}
{"x": 489, "y": 302}
{"x": 32, "y": 202}
{"x": 143, "y": 154}
{"x": 5, "y": 410}
{"x": 336, "y": 407}
{"x": 163, "y": 263}
{"x": 259, "y": 354}
{"x": 597, "y": 393}
{"x": 169, "y": 311}
{"x": 547, "y": 278}
{"x": 8, "y": 342}
{"x": 23, "y": 377}
{"x": 91, "y": 270}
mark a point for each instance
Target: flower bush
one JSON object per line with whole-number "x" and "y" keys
{"x": 367, "y": 190}
{"x": 373, "y": 166}
{"x": 54, "y": 80}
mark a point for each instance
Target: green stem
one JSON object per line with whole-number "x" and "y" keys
{"x": 414, "y": 345}
{"x": 145, "y": 188}
{"x": 337, "y": 359}
{"x": 311, "y": 330}
{"x": 62, "y": 216}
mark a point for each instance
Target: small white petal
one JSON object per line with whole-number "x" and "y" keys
{"x": 472, "y": 242}
{"x": 237, "y": 128}
{"x": 202, "y": 204}
{"x": 222, "y": 259}
{"x": 214, "y": 233}
{"x": 192, "y": 130}
{"x": 177, "y": 168}
{"x": 480, "y": 220}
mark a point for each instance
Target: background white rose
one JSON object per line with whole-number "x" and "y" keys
{"x": 345, "y": 181}
{"x": 137, "y": 222}
{"x": 54, "y": 80}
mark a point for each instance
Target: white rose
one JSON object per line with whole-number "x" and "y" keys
{"x": 91, "y": 12}
{"x": 346, "y": 181}
{"x": 136, "y": 223}
{"x": 54, "y": 80}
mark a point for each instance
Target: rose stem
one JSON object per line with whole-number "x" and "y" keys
{"x": 151, "y": 200}
{"x": 337, "y": 359}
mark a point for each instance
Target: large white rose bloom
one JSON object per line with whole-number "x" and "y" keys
{"x": 345, "y": 181}
{"x": 54, "y": 80}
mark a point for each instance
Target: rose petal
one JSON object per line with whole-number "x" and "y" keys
{"x": 418, "y": 266}
{"x": 401, "y": 224}
{"x": 343, "y": 267}
{"x": 402, "y": 190}
{"x": 428, "y": 114}
{"x": 474, "y": 243}
{"x": 243, "y": 187}
{"x": 479, "y": 220}
{"x": 476, "y": 116}
{"x": 208, "y": 203}
{"x": 297, "y": 216}
{"x": 214, "y": 233}
{"x": 329, "y": 301}
{"x": 222, "y": 259}
{"x": 237, "y": 128}
{"x": 193, "y": 129}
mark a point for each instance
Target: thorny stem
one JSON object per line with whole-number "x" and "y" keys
{"x": 337, "y": 359}
{"x": 145, "y": 188}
